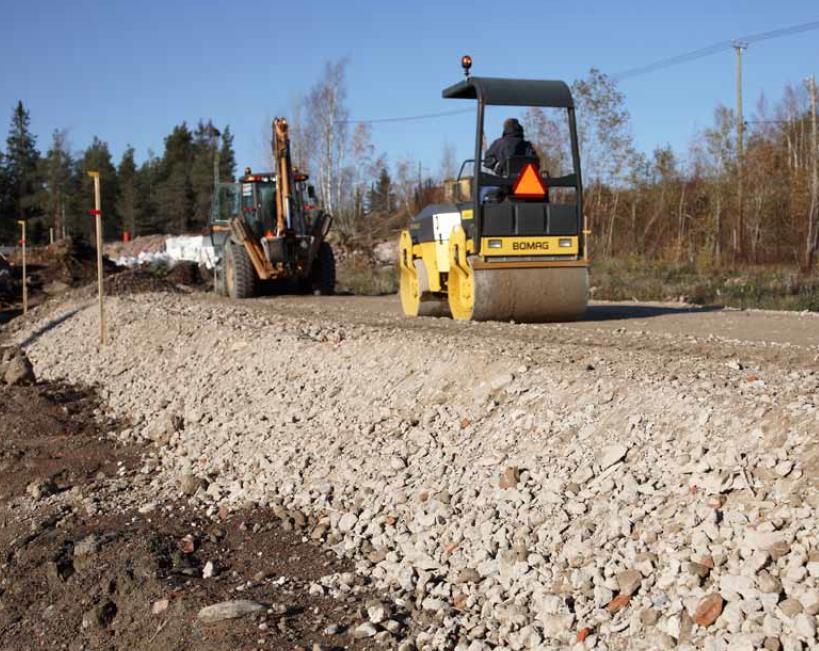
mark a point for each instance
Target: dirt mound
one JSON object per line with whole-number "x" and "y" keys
{"x": 137, "y": 281}
{"x": 71, "y": 261}
{"x": 186, "y": 273}
{"x": 141, "y": 244}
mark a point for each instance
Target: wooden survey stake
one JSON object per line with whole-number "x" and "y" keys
{"x": 22, "y": 223}
{"x": 97, "y": 213}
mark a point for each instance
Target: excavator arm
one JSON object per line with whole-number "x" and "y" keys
{"x": 284, "y": 176}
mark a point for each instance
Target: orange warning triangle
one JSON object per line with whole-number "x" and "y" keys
{"x": 529, "y": 185}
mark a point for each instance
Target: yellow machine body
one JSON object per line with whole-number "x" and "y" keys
{"x": 510, "y": 243}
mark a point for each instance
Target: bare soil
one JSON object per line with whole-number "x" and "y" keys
{"x": 74, "y": 577}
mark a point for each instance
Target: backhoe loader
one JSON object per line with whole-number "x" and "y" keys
{"x": 266, "y": 230}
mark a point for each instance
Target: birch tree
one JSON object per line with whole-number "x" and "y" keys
{"x": 327, "y": 131}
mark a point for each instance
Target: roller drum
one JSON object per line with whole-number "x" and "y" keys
{"x": 530, "y": 295}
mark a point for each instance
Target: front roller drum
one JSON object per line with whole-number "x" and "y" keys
{"x": 524, "y": 294}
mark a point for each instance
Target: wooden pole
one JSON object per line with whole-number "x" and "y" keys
{"x": 813, "y": 216}
{"x": 97, "y": 212}
{"x": 22, "y": 223}
{"x": 740, "y": 235}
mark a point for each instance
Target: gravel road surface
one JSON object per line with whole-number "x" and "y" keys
{"x": 643, "y": 479}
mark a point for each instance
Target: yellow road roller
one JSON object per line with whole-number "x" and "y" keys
{"x": 509, "y": 243}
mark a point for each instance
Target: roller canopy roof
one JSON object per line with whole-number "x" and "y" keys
{"x": 512, "y": 92}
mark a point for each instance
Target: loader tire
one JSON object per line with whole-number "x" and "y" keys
{"x": 323, "y": 276}
{"x": 240, "y": 277}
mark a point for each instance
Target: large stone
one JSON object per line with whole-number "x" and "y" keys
{"x": 364, "y": 631}
{"x": 805, "y": 627}
{"x": 611, "y": 454}
{"x": 347, "y": 522}
{"x": 229, "y": 610}
{"x": 509, "y": 477}
{"x": 377, "y": 611}
{"x": 791, "y": 607}
{"x": 768, "y": 584}
{"x": 628, "y": 581}
{"x": 764, "y": 540}
{"x": 732, "y": 586}
{"x": 85, "y": 552}
{"x": 708, "y": 610}
{"x": 557, "y": 626}
{"x": 19, "y": 371}
{"x": 386, "y": 253}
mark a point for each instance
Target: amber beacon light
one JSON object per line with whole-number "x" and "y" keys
{"x": 466, "y": 64}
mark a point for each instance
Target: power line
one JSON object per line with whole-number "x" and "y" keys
{"x": 408, "y": 118}
{"x": 708, "y": 50}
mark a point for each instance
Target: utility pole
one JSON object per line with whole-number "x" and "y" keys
{"x": 420, "y": 187}
{"x": 739, "y": 46}
{"x": 812, "y": 242}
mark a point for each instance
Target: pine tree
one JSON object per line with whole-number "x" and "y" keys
{"x": 205, "y": 144}
{"x": 60, "y": 191}
{"x": 148, "y": 180}
{"x": 227, "y": 157}
{"x": 127, "y": 204}
{"x": 381, "y": 197}
{"x": 175, "y": 193}
{"x": 5, "y": 196}
{"x": 98, "y": 158}
{"x": 21, "y": 171}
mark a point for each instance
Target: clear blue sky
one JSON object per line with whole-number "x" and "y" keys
{"x": 129, "y": 71}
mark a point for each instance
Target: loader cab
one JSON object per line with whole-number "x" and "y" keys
{"x": 258, "y": 201}
{"x": 254, "y": 197}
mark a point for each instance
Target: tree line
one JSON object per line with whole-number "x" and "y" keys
{"x": 680, "y": 207}
{"x": 163, "y": 194}
{"x": 677, "y": 206}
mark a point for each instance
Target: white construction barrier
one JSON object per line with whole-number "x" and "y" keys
{"x": 189, "y": 248}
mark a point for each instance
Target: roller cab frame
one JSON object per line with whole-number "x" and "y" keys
{"x": 495, "y": 251}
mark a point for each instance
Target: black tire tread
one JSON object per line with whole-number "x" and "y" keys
{"x": 244, "y": 276}
{"x": 324, "y": 271}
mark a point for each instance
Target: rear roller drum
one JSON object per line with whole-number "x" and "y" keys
{"x": 533, "y": 295}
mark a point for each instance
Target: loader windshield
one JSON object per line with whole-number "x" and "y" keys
{"x": 267, "y": 201}
{"x": 259, "y": 205}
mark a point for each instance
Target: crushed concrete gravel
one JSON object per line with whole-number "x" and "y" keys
{"x": 513, "y": 488}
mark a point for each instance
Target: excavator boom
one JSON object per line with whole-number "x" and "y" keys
{"x": 284, "y": 176}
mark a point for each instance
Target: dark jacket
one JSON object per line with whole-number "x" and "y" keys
{"x": 511, "y": 143}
